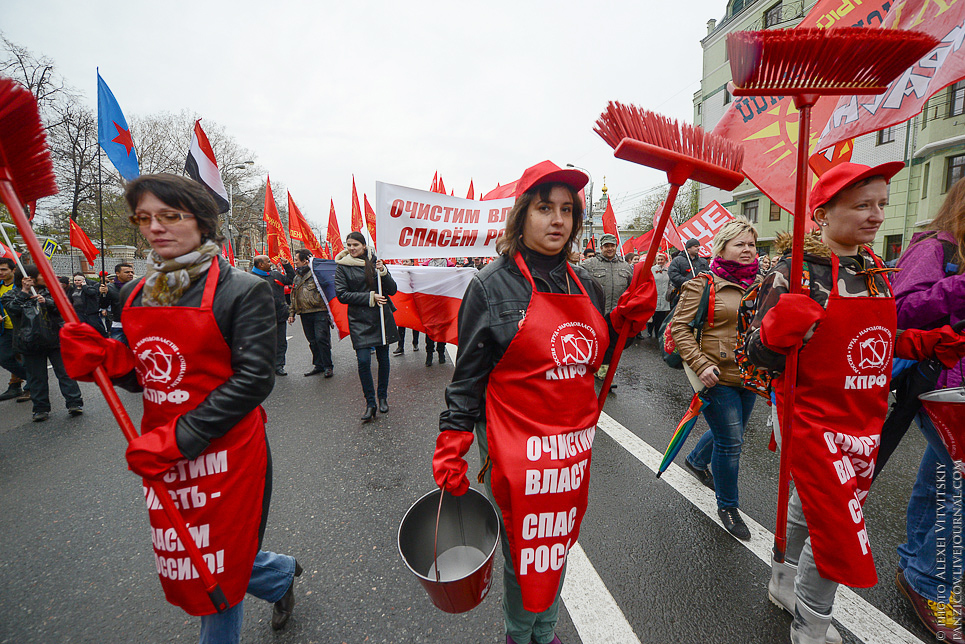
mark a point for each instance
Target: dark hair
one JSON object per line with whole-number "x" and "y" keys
{"x": 303, "y": 254}
{"x": 9, "y": 263}
{"x": 369, "y": 265}
{"x": 118, "y": 267}
{"x": 79, "y": 273}
{"x": 31, "y": 271}
{"x": 182, "y": 193}
{"x": 512, "y": 240}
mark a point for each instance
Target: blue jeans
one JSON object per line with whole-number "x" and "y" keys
{"x": 727, "y": 412}
{"x": 271, "y": 576}
{"x": 364, "y": 357}
{"x": 932, "y": 524}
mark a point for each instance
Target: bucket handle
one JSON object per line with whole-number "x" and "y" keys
{"x": 435, "y": 541}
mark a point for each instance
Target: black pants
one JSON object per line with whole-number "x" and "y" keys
{"x": 439, "y": 347}
{"x": 318, "y": 332}
{"x": 415, "y": 338}
{"x": 281, "y": 348}
{"x": 35, "y": 365}
{"x": 653, "y": 326}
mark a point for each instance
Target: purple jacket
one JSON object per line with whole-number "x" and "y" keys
{"x": 925, "y": 297}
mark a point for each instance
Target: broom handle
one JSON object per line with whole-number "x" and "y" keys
{"x": 677, "y": 178}
{"x": 803, "y": 104}
{"x": 12, "y": 201}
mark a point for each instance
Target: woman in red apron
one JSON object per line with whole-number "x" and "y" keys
{"x": 847, "y": 321}
{"x": 531, "y": 336}
{"x": 202, "y": 345}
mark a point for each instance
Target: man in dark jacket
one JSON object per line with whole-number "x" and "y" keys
{"x": 685, "y": 266}
{"x": 111, "y": 296}
{"x": 278, "y": 281}
{"x": 310, "y": 305}
{"x": 613, "y": 275}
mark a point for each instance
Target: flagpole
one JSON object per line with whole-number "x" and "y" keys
{"x": 100, "y": 207}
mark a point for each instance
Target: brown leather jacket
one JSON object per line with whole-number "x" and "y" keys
{"x": 718, "y": 342}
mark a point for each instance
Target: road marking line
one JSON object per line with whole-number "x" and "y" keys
{"x": 850, "y": 610}
{"x": 594, "y": 612}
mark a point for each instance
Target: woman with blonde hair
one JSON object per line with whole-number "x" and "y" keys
{"x": 710, "y": 360}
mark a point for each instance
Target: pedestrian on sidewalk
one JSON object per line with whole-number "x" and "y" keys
{"x": 847, "y": 323}
{"x": 531, "y": 335}
{"x": 359, "y": 278}
{"x": 201, "y": 334}
{"x": 36, "y": 328}
{"x": 308, "y": 302}
{"x": 930, "y": 293}
{"x": 709, "y": 362}
{"x": 9, "y": 359}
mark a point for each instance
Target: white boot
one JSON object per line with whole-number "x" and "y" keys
{"x": 780, "y": 590}
{"x": 809, "y": 627}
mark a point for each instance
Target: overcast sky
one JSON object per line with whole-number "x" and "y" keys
{"x": 387, "y": 91}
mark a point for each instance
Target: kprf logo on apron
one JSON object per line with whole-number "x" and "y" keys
{"x": 573, "y": 346}
{"x": 161, "y": 363}
{"x": 869, "y": 353}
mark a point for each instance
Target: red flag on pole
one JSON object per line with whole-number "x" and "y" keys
{"x": 6, "y": 251}
{"x": 610, "y": 222}
{"x": 277, "y": 241}
{"x": 228, "y": 252}
{"x": 299, "y": 229}
{"x": 435, "y": 182}
{"x": 357, "y": 223}
{"x": 334, "y": 238}
{"x": 80, "y": 240}
{"x": 369, "y": 218}
{"x": 441, "y": 188}
{"x": 471, "y": 193}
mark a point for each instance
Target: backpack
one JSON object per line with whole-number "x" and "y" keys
{"x": 753, "y": 377}
{"x": 705, "y": 309}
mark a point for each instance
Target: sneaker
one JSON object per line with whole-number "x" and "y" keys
{"x": 399, "y": 351}
{"x": 731, "y": 518}
{"x": 77, "y": 410}
{"x": 12, "y": 392}
{"x": 704, "y": 476}
{"x": 24, "y": 397}
{"x": 942, "y": 620}
{"x": 41, "y": 416}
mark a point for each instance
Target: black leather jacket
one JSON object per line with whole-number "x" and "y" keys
{"x": 494, "y": 303}
{"x": 245, "y": 314}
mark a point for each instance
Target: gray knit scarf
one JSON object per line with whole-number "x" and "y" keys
{"x": 167, "y": 279}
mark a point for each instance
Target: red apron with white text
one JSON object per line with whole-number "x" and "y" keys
{"x": 541, "y": 414}
{"x": 840, "y": 405}
{"x": 180, "y": 357}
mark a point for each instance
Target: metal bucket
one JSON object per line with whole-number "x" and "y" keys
{"x": 946, "y": 408}
{"x": 448, "y": 542}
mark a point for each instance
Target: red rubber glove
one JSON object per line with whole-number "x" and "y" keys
{"x": 636, "y": 305}
{"x": 152, "y": 454}
{"x": 942, "y": 344}
{"x": 449, "y": 465}
{"x": 84, "y": 349}
{"x": 785, "y": 325}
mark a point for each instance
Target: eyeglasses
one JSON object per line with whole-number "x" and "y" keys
{"x": 164, "y": 218}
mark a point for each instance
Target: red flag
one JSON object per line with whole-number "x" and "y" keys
{"x": 767, "y": 126}
{"x": 357, "y": 223}
{"x": 435, "y": 182}
{"x": 6, "y": 251}
{"x": 334, "y": 238}
{"x": 428, "y": 300}
{"x": 610, "y": 221}
{"x": 277, "y": 241}
{"x": 471, "y": 193}
{"x": 228, "y": 252}
{"x": 299, "y": 229}
{"x": 369, "y": 218}
{"x": 80, "y": 240}
{"x": 441, "y": 188}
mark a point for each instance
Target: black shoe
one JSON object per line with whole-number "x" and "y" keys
{"x": 383, "y": 406}
{"x": 329, "y": 373}
{"x": 442, "y": 358}
{"x": 12, "y": 392}
{"x": 41, "y": 416}
{"x": 369, "y": 415}
{"x": 731, "y": 518}
{"x": 428, "y": 359}
{"x": 704, "y": 476}
{"x": 415, "y": 346}
{"x": 315, "y": 372}
{"x": 399, "y": 351}
{"x": 24, "y": 397}
{"x": 76, "y": 410}
{"x": 280, "y": 371}
{"x": 283, "y": 608}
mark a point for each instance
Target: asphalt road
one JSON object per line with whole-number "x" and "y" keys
{"x": 76, "y": 560}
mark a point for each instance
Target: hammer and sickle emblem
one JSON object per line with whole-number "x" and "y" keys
{"x": 872, "y": 353}
{"x": 158, "y": 364}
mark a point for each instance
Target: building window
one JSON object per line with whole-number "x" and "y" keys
{"x": 955, "y": 171}
{"x": 772, "y": 16}
{"x": 737, "y": 7}
{"x": 956, "y": 99}
{"x": 726, "y": 96}
{"x": 749, "y": 210}
{"x": 924, "y": 180}
{"x": 775, "y": 214}
{"x": 892, "y": 247}
{"x": 886, "y": 135}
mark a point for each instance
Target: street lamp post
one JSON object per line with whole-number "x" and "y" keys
{"x": 231, "y": 200}
{"x": 590, "y": 195}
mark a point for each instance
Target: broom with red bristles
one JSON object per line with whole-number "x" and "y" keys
{"x": 808, "y": 64}
{"x": 683, "y": 152}
{"x": 27, "y": 174}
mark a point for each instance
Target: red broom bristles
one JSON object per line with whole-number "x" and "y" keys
{"x": 841, "y": 60}
{"x": 23, "y": 144}
{"x": 621, "y": 121}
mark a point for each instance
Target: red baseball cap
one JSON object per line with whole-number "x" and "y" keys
{"x": 845, "y": 174}
{"x": 548, "y": 172}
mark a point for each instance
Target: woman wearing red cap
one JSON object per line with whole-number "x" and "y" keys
{"x": 531, "y": 336}
{"x": 847, "y": 322}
